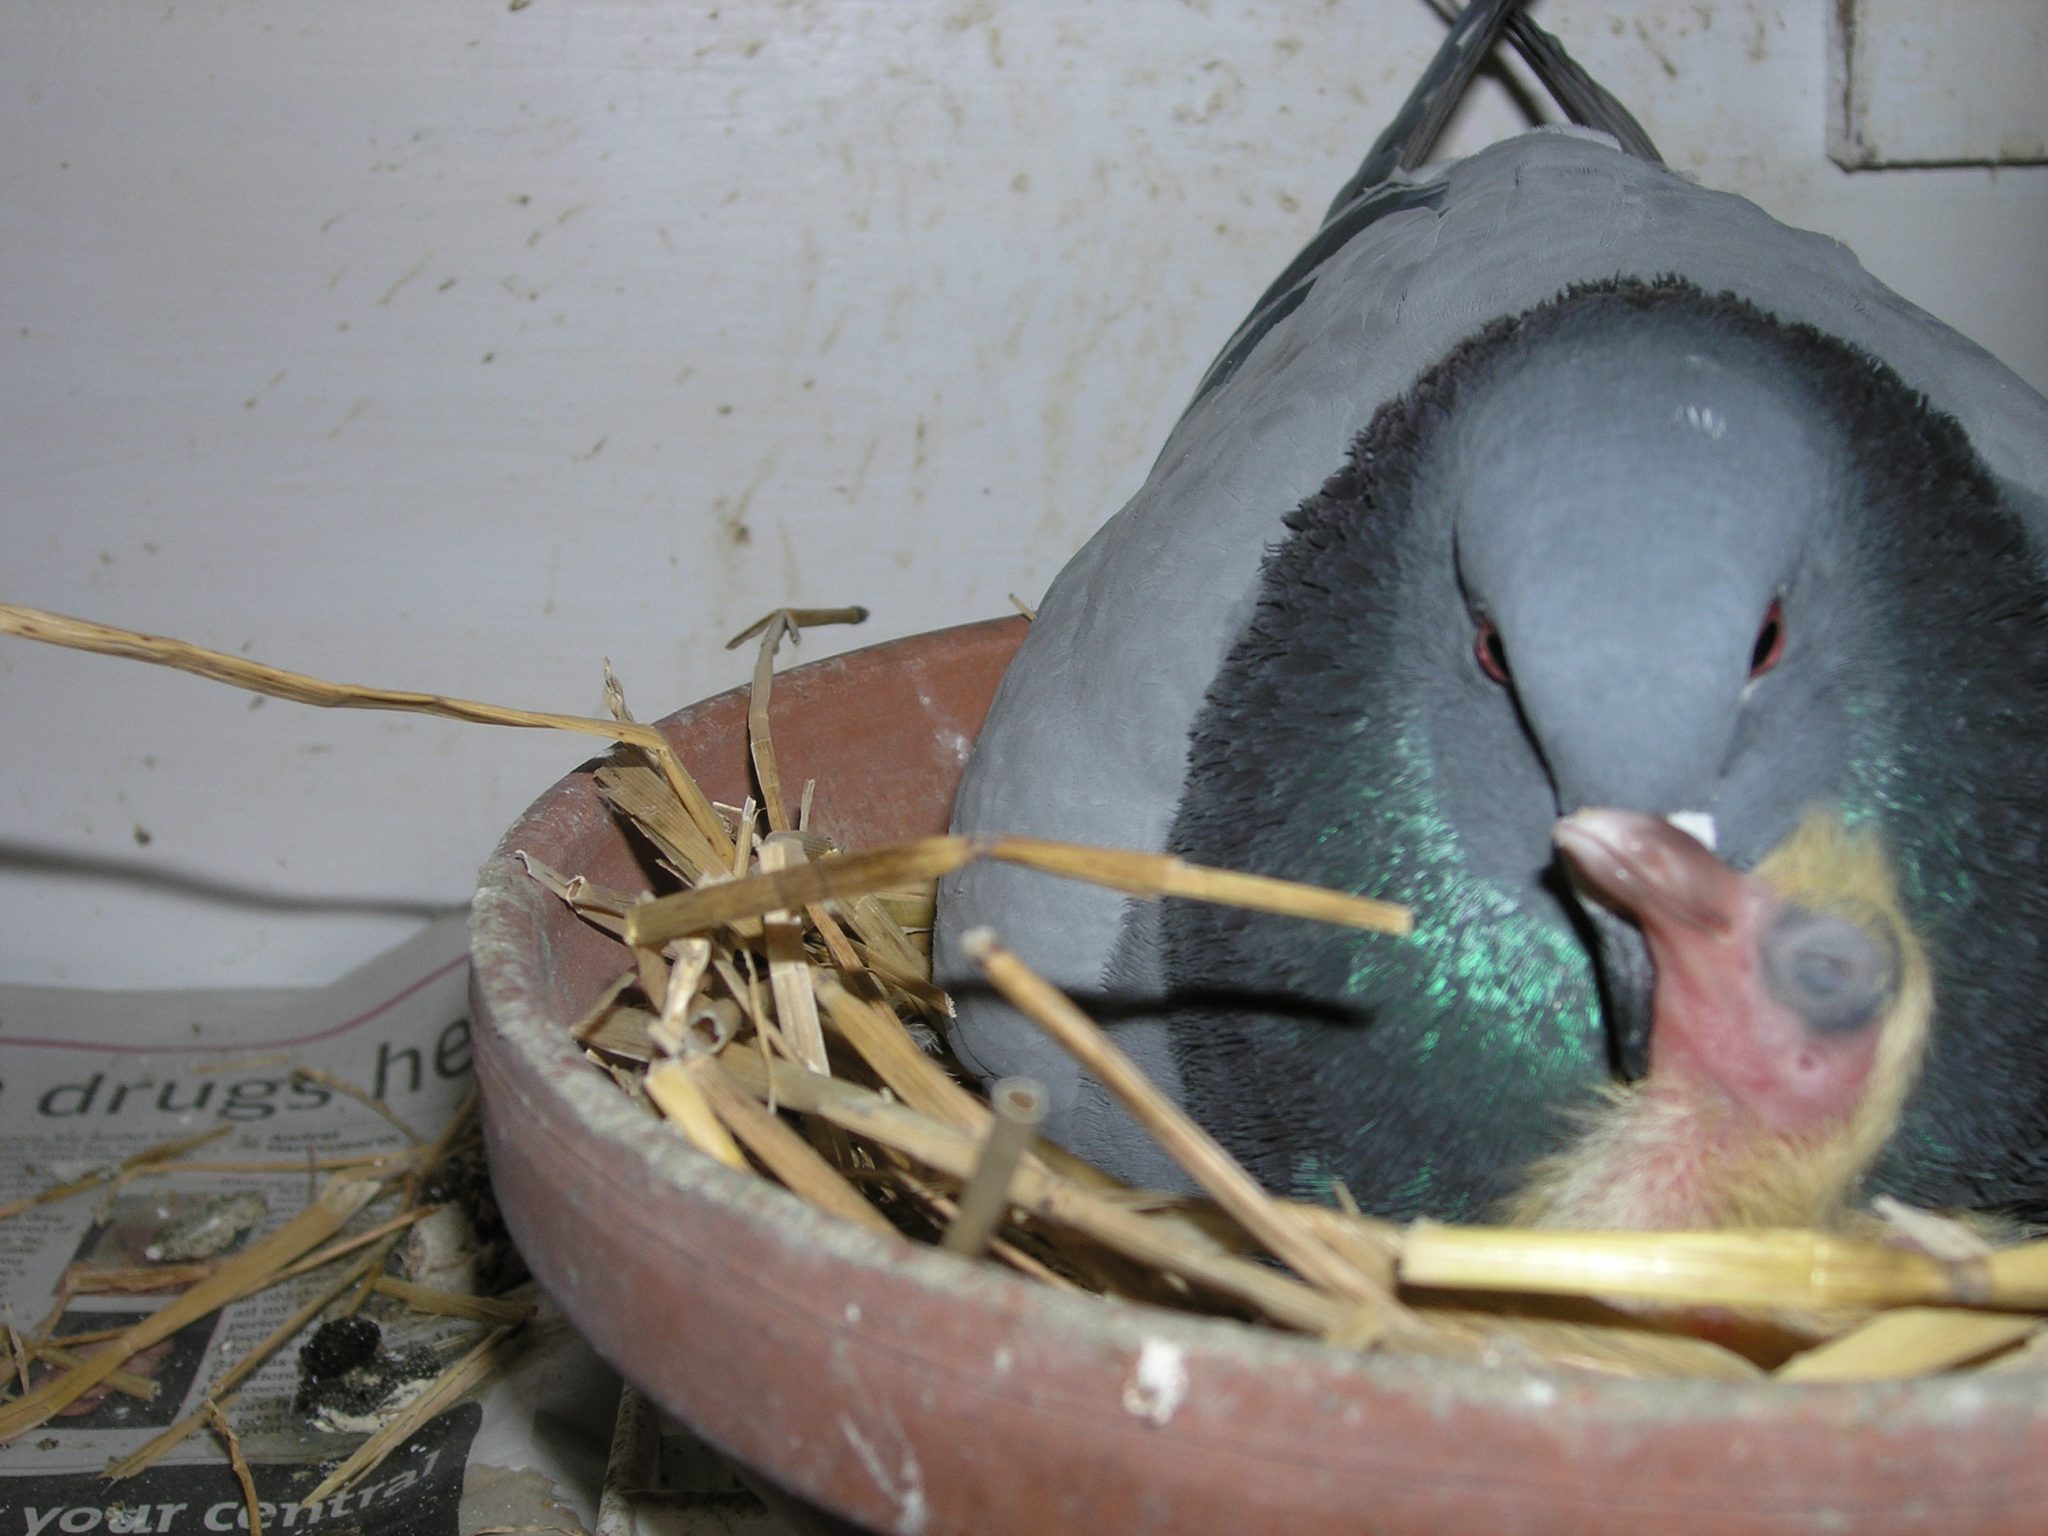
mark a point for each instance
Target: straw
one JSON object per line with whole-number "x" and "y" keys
{"x": 1194, "y": 1149}
{"x": 1912, "y": 1341}
{"x": 655, "y": 922}
{"x": 218, "y": 666}
{"x": 953, "y": 1152}
{"x": 1018, "y": 1106}
{"x": 1768, "y": 1268}
{"x": 252, "y": 1269}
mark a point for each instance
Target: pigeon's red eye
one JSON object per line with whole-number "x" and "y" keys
{"x": 1492, "y": 654}
{"x": 1770, "y": 641}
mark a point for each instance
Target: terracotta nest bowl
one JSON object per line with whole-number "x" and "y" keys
{"x": 913, "y": 1392}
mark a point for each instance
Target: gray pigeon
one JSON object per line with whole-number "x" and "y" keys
{"x": 1541, "y": 480}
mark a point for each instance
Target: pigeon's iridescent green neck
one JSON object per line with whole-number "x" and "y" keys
{"x": 1924, "y": 840}
{"x": 1499, "y": 1008}
{"x": 1499, "y": 1014}
{"x": 1926, "y": 843}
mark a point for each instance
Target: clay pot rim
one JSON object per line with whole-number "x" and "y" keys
{"x": 506, "y": 940}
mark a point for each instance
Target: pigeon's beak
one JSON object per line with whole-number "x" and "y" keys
{"x": 1628, "y": 989}
{"x": 1650, "y": 870}
{"x": 1641, "y": 875}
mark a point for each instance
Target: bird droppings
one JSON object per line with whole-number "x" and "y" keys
{"x": 1158, "y": 1383}
{"x": 903, "y": 1487}
{"x": 1539, "y": 1391}
{"x": 208, "y": 1231}
{"x": 351, "y": 1383}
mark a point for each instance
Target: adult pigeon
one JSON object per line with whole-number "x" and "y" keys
{"x": 1789, "y": 1020}
{"x": 1540, "y": 480}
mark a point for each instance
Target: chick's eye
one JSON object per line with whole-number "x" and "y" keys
{"x": 1834, "y": 973}
{"x": 1770, "y": 641}
{"x": 1492, "y": 653}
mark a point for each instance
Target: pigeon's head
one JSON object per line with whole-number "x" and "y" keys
{"x": 1660, "y": 588}
{"x": 1631, "y": 506}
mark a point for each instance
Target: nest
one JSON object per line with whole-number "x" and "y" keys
{"x": 776, "y": 1008}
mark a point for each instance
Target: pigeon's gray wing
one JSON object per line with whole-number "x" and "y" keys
{"x": 1087, "y": 738}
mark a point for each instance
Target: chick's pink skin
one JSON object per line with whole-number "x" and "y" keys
{"x": 1716, "y": 1028}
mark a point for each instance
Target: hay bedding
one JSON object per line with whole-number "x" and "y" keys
{"x": 776, "y": 1008}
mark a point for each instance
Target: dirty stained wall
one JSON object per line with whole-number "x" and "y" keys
{"x": 457, "y": 347}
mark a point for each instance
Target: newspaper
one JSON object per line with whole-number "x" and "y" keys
{"x": 90, "y": 1079}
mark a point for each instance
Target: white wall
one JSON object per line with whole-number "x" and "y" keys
{"x": 454, "y": 347}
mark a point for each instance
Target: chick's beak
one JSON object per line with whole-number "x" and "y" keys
{"x": 1646, "y": 869}
{"x": 1642, "y": 880}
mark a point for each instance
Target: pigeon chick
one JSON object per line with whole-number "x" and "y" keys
{"x": 1789, "y": 1019}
